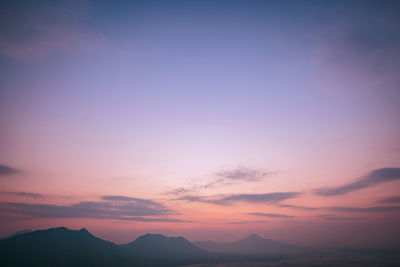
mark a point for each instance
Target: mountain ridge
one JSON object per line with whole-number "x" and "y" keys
{"x": 16, "y": 233}
{"x": 163, "y": 247}
{"x": 63, "y": 247}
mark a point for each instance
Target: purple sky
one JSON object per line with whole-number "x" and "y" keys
{"x": 204, "y": 109}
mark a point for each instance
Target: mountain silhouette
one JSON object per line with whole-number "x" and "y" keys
{"x": 253, "y": 244}
{"x": 160, "y": 250}
{"x": 162, "y": 247}
{"x": 60, "y": 247}
{"x": 17, "y": 233}
{"x": 63, "y": 247}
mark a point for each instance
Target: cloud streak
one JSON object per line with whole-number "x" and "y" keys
{"x": 129, "y": 209}
{"x": 228, "y": 177}
{"x": 330, "y": 217}
{"x": 249, "y": 198}
{"x": 6, "y": 170}
{"x": 246, "y": 222}
{"x": 270, "y": 215}
{"x": 297, "y": 207}
{"x": 244, "y": 174}
{"x": 27, "y": 194}
{"x": 373, "y": 178}
{"x": 351, "y": 209}
{"x": 390, "y": 200}
{"x": 367, "y": 209}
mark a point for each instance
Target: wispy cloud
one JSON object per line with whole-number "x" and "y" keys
{"x": 373, "y": 178}
{"x": 180, "y": 191}
{"x": 247, "y": 222}
{"x": 120, "y": 198}
{"x": 137, "y": 201}
{"x": 390, "y": 200}
{"x": 129, "y": 209}
{"x": 366, "y": 209}
{"x": 27, "y": 194}
{"x": 331, "y": 217}
{"x": 250, "y": 198}
{"x": 296, "y": 207}
{"x": 270, "y": 215}
{"x": 6, "y": 170}
{"x": 224, "y": 178}
{"x": 261, "y": 198}
{"x": 244, "y": 174}
{"x": 351, "y": 209}
{"x": 346, "y": 209}
{"x": 204, "y": 199}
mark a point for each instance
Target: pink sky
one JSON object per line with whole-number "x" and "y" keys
{"x": 211, "y": 122}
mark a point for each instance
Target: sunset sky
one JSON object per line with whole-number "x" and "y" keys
{"x": 207, "y": 119}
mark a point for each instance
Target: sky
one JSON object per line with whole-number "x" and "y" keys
{"x": 207, "y": 119}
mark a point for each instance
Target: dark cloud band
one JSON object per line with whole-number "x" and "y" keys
{"x": 367, "y": 209}
{"x": 244, "y": 174}
{"x": 375, "y": 177}
{"x": 250, "y": 198}
{"x": 6, "y": 170}
{"x": 271, "y": 215}
{"x": 27, "y": 194}
{"x": 390, "y": 200}
{"x": 130, "y": 209}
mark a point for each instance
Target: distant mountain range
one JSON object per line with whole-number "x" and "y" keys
{"x": 64, "y": 247}
{"x": 61, "y": 247}
{"x": 162, "y": 247}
